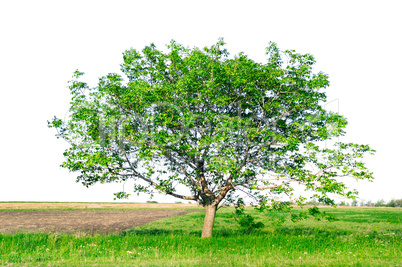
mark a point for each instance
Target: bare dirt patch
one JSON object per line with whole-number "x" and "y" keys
{"x": 83, "y": 205}
{"x": 70, "y": 221}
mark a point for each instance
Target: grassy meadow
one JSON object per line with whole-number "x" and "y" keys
{"x": 360, "y": 237}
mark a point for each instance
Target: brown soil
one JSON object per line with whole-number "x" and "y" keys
{"x": 73, "y": 221}
{"x": 84, "y": 205}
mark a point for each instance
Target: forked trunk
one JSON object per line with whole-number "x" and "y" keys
{"x": 210, "y": 212}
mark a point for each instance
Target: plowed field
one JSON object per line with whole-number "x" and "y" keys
{"x": 91, "y": 221}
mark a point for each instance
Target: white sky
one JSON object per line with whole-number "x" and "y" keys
{"x": 357, "y": 43}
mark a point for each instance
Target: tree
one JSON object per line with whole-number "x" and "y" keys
{"x": 220, "y": 126}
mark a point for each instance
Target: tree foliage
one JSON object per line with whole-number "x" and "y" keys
{"x": 215, "y": 124}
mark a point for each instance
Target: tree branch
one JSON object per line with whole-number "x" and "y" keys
{"x": 193, "y": 182}
{"x": 157, "y": 186}
{"x": 224, "y": 191}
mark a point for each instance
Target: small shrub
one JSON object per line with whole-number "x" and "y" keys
{"x": 246, "y": 221}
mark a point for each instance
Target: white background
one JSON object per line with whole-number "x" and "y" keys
{"x": 357, "y": 43}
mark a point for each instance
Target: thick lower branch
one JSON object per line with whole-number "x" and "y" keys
{"x": 224, "y": 191}
{"x": 202, "y": 179}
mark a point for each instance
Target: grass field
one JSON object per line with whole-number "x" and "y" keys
{"x": 360, "y": 237}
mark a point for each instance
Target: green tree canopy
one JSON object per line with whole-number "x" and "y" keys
{"x": 216, "y": 124}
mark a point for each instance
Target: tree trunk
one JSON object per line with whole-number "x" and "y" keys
{"x": 210, "y": 212}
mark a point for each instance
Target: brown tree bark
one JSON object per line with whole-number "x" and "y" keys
{"x": 210, "y": 212}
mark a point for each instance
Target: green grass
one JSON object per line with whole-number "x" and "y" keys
{"x": 361, "y": 237}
